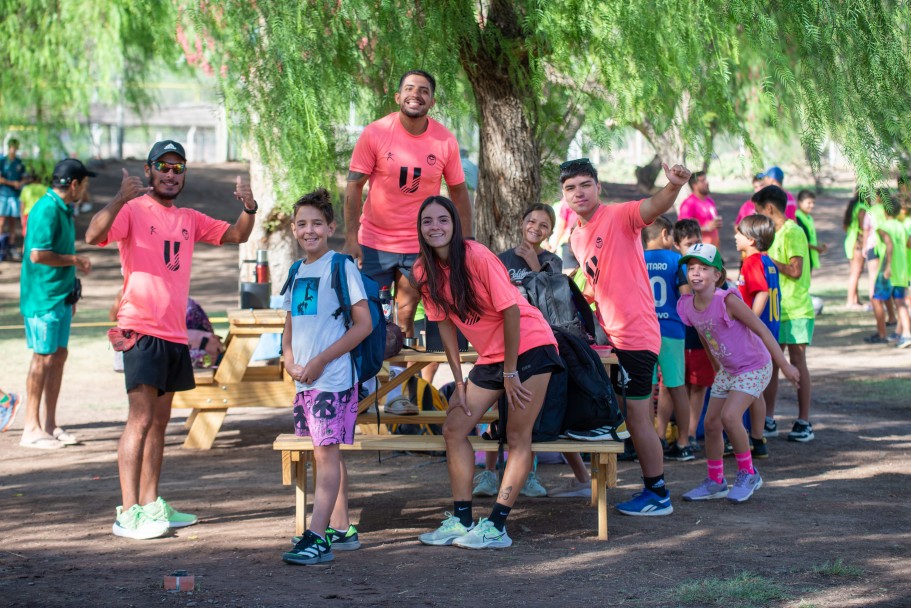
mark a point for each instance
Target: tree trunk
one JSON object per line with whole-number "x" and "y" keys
{"x": 509, "y": 162}
{"x": 272, "y": 230}
{"x": 670, "y": 148}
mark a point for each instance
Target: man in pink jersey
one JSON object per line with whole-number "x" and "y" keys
{"x": 156, "y": 240}
{"x": 699, "y": 206}
{"x": 404, "y": 156}
{"x": 608, "y": 244}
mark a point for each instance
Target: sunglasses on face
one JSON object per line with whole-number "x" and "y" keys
{"x": 163, "y": 167}
{"x": 572, "y": 164}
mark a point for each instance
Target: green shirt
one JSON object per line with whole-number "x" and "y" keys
{"x": 791, "y": 242}
{"x": 907, "y": 224}
{"x": 50, "y": 228}
{"x": 899, "y": 261}
{"x": 805, "y": 221}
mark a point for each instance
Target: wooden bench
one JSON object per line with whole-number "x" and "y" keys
{"x": 298, "y": 451}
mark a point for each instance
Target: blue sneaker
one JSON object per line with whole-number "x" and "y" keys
{"x": 647, "y": 503}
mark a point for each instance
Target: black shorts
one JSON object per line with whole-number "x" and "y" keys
{"x": 381, "y": 266}
{"x": 159, "y": 363}
{"x": 539, "y": 360}
{"x": 633, "y": 377}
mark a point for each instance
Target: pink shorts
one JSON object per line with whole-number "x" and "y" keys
{"x": 328, "y": 418}
{"x": 751, "y": 383}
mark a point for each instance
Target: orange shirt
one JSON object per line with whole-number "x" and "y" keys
{"x": 156, "y": 253}
{"x": 404, "y": 170}
{"x": 495, "y": 293}
{"x": 609, "y": 250}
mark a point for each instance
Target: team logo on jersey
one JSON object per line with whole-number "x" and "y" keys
{"x": 388, "y": 157}
{"x": 599, "y": 243}
{"x": 172, "y": 255}
{"x": 592, "y": 271}
{"x": 431, "y": 160}
{"x": 470, "y": 320}
{"x": 186, "y": 234}
{"x": 152, "y": 229}
{"x": 409, "y": 186}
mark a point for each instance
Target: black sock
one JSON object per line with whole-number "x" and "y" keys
{"x": 656, "y": 485}
{"x": 498, "y": 516}
{"x": 462, "y": 510}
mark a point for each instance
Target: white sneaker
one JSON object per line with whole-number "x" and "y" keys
{"x": 401, "y": 406}
{"x": 576, "y": 489}
{"x": 137, "y": 525}
{"x": 484, "y": 536}
{"x": 449, "y": 530}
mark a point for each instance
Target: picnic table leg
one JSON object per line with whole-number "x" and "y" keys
{"x": 206, "y": 424}
{"x": 611, "y": 470}
{"x": 300, "y": 493}
{"x": 190, "y": 419}
{"x": 602, "y": 496}
{"x": 286, "y": 468}
{"x": 594, "y": 482}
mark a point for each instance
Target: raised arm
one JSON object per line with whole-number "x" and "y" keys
{"x": 354, "y": 204}
{"x": 130, "y": 187}
{"x": 240, "y": 230}
{"x": 661, "y": 202}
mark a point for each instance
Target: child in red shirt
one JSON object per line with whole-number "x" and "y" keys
{"x": 465, "y": 286}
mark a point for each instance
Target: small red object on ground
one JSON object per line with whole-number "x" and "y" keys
{"x": 179, "y": 580}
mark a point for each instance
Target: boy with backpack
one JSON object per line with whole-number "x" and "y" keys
{"x": 317, "y": 346}
{"x": 607, "y": 242}
{"x": 668, "y": 282}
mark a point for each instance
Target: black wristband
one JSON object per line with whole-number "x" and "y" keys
{"x": 253, "y": 210}
{"x": 203, "y": 343}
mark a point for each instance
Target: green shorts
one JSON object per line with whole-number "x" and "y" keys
{"x": 49, "y": 331}
{"x": 796, "y": 331}
{"x": 672, "y": 363}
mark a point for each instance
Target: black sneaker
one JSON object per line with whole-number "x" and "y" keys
{"x": 876, "y": 339}
{"x": 758, "y": 448}
{"x": 311, "y": 549}
{"x": 770, "y": 428}
{"x": 695, "y": 448}
{"x": 728, "y": 448}
{"x": 802, "y": 432}
{"x": 343, "y": 541}
{"x": 602, "y": 433}
{"x": 680, "y": 453}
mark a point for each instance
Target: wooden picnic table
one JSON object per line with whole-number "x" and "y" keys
{"x": 236, "y": 383}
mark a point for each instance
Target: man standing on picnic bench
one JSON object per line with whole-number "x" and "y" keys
{"x": 156, "y": 240}
{"x": 405, "y": 157}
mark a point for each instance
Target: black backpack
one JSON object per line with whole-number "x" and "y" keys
{"x": 590, "y": 398}
{"x": 561, "y": 303}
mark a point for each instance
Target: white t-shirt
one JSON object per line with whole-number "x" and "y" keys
{"x": 312, "y": 302}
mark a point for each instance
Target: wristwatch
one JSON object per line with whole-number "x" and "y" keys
{"x": 253, "y": 210}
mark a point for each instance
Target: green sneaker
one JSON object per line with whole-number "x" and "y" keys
{"x": 136, "y": 524}
{"x": 163, "y": 512}
{"x": 311, "y": 549}
{"x": 485, "y": 484}
{"x": 343, "y": 541}
{"x": 484, "y": 536}
{"x": 449, "y": 530}
{"x": 533, "y": 487}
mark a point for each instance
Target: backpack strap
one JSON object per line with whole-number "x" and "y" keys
{"x": 292, "y": 272}
{"x": 339, "y": 283}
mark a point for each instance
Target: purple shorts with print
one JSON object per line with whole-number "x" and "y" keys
{"x": 328, "y": 418}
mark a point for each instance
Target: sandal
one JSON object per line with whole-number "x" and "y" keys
{"x": 42, "y": 442}
{"x": 64, "y": 437}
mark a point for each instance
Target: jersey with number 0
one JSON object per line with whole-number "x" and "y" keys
{"x": 666, "y": 278}
{"x": 759, "y": 274}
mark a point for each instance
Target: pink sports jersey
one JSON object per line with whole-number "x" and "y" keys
{"x": 703, "y": 211}
{"x": 748, "y": 208}
{"x": 156, "y": 253}
{"x": 495, "y": 293}
{"x": 404, "y": 170}
{"x": 609, "y": 250}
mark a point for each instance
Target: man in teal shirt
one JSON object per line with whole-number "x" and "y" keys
{"x": 48, "y": 279}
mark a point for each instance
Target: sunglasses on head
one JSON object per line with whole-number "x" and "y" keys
{"x": 163, "y": 167}
{"x": 572, "y": 164}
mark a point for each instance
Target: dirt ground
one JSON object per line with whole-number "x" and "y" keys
{"x": 830, "y": 527}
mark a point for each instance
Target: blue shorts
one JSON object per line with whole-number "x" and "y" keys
{"x": 884, "y": 290}
{"x": 9, "y": 206}
{"x": 49, "y": 331}
{"x": 381, "y": 266}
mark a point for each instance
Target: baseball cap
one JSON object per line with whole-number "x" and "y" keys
{"x": 775, "y": 173}
{"x": 163, "y": 147}
{"x": 68, "y": 170}
{"x": 705, "y": 253}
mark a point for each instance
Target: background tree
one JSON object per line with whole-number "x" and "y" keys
{"x": 57, "y": 57}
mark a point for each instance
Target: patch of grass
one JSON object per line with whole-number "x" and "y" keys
{"x": 889, "y": 391}
{"x": 838, "y": 568}
{"x": 746, "y": 590}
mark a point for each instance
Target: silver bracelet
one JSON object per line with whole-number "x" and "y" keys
{"x": 514, "y": 374}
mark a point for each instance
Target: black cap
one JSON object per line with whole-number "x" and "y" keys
{"x": 68, "y": 170}
{"x": 163, "y": 147}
